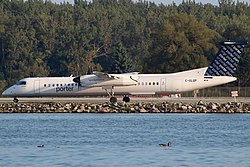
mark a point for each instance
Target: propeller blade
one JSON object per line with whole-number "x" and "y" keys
{"x": 78, "y": 81}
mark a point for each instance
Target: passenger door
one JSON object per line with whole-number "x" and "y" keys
{"x": 37, "y": 87}
{"x": 163, "y": 85}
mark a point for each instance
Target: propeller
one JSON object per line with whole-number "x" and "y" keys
{"x": 78, "y": 81}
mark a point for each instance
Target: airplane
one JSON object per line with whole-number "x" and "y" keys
{"x": 219, "y": 72}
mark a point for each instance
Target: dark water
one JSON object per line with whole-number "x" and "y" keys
{"x": 124, "y": 140}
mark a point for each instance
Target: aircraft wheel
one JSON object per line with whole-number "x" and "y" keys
{"x": 15, "y": 100}
{"x": 126, "y": 99}
{"x": 113, "y": 99}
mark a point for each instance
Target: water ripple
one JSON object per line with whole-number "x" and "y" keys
{"x": 100, "y": 140}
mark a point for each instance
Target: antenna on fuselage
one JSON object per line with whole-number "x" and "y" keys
{"x": 31, "y": 74}
{"x": 90, "y": 70}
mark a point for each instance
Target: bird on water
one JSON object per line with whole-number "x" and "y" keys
{"x": 165, "y": 144}
{"x": 40, "y": 146}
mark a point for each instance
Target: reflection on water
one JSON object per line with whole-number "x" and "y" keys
{"x": 124, "y": 140}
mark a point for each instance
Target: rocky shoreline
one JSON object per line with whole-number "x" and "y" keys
{"x": 163, "y": 107}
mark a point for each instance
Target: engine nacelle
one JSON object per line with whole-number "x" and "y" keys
{"x": 95, "y": 81}
{"x": 122, "y": 81}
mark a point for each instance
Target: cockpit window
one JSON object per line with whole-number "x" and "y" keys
{"x": 21, "y": 83}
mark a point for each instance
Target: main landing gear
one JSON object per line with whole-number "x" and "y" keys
{"x": 113, "y": 99}
{"x": 15, "y": 100}
{"x": 126, "y": 99}
{"x": 110, "y": 92}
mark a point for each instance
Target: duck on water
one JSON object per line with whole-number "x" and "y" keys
{"x": 165, "y": 144}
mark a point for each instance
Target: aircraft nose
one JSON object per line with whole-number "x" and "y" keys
{"x": 4, "y": 93}
{"x": 7, "y": 92}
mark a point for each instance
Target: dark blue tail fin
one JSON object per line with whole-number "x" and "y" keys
{"x": 227, "y": 59}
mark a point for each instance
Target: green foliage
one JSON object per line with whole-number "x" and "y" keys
{"x": 181, "y": 41}
{"x": 61, "y": 39}
{"x": 122, "y": 62}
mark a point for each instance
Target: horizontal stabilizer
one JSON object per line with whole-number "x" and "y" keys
{"x": 227, "y": 59}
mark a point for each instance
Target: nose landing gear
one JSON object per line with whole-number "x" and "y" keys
{"x": 15, "y": 100}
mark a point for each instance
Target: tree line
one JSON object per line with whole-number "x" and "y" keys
{"x": 46, "y": 39}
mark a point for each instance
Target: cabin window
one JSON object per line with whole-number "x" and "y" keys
{"x": 57, "y": 85}
{"x": 72, "y": 84}
{"x": 44, "y": 85}
{"x": 138, "y": 83}
{"x": 48, "y": 85}
{"x": 68, "y": 84}
{"x": 153, "y": 83}
{"x": 21, "y": 83}
{"x": 76, "y": 84}
{"x": 157, "y": 83}
{"x": 61, "y": 84}
{"x": 142, "y": 83}
{"x": 146, "y": 83}
{"x": 53, "y": 85}
{"x": 149, "y": 83}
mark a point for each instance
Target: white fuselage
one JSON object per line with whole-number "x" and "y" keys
{"x": 127, "y": 84}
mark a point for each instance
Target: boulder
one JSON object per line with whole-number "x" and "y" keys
{"x": 143, "y": 110}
